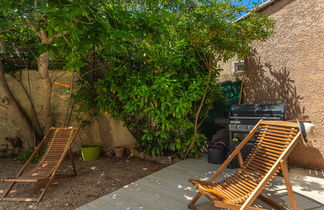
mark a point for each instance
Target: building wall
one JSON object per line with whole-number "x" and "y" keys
{"x": 289, "y": 68}
{"x": 103, "y": 129}
{"x": 227, "y": 73}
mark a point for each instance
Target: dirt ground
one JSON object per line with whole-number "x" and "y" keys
{"x": 94, "y": 179}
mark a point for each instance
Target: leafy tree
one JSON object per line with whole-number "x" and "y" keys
{"x": 163, "y": 83}
{"x": 151, "y": 64}
{"x": 212, "y": 30}
{"x": 50, "y": 31}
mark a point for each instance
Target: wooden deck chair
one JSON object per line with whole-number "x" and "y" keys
{"x": 57, "y": 144}
{"x": 274, "y": 142}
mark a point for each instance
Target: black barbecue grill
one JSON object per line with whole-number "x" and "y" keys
{"x": 242, "y": 119}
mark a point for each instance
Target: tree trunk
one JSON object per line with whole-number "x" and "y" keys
{"x": 43, "y": 64}
{"x": 15, "y": 114}
{"x": 197, "y": 124}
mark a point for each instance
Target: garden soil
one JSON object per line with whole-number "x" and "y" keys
{"x": 94, "y": 179}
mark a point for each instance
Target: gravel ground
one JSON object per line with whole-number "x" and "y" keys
{"x": 94, "y": 179}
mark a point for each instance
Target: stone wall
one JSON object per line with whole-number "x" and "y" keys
{"x": 103, "y": 129}
{"x": 289, "y": 68}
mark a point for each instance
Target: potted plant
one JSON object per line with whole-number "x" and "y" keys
{"x": 89, "y": 149}
{"x": 90, "y": 152}
{"x": 119, "y": 151}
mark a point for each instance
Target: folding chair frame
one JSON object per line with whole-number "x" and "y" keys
{"x": 281, "y": 162}
{"x": 49, "y": 179}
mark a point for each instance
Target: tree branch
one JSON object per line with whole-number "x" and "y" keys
{"x": 14, "y": 27}
{"x": 88, "y": 23}
{"x": 59, "y": 35}
{"x": 31, "y": 25}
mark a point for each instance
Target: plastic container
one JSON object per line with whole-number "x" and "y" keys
{"x": 90, "y": 152}
{"x": 216, "y": 153}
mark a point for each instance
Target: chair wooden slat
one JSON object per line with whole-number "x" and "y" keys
{"x": 261, "y": 163}
{"x": 263, "y": 150}
{"x": 261, "y": 160}
{"x": 246, "y": 180}
{"x": 282, "y": 129}
{"x": 270, "y": 148}
{"x": 270, "y": 133}
{"x": 278, "y": 139}
{"x": 239, "y": 185}
{"x": 272, "y": 140}
{"x": 261, "y": 171}
{"x": 277, "y": 145}
{"x": 278, "y": 131}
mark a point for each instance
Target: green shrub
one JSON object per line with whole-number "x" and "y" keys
{"x": 160, "y": 77}
{"x": 24, "y": 156}
{"x": 230, "y": 95}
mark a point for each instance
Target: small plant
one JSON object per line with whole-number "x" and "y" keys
{"x": 24, "y": 156}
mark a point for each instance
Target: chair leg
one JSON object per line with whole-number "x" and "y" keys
{"x": 45, "y": 189}
{"x": 194, "y": 200}
{"x": 53, "y": 176}
{"x": 8, "y": 190}
{"x": 72, "y": 160}
{"x": 291, "y": 195}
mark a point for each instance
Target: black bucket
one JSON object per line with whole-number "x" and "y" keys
{"x": 216, "y": 153}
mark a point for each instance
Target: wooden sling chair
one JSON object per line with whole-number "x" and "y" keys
{"x": 57, "y": 144}
{"x": 274, "y": 142}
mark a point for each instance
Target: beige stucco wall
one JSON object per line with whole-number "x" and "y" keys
{"x": 227, "y": 73}
{"x": 103, "y": 129}
{"x": 289, "y": 68}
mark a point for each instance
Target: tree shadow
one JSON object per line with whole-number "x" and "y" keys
{"x": 264, "y": 84}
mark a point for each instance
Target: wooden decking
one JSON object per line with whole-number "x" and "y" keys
{"x": 169, "y": 189}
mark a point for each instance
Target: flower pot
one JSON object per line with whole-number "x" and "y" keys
{"x": 119, "y": 151}
{"x": 90, "y": 152}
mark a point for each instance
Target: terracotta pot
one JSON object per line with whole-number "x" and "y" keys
{"x": 119, "y": 151}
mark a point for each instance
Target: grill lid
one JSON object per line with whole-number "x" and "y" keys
{"x": 257, "y": 111}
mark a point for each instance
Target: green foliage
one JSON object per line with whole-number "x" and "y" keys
{"x": 24, "y": 156}
{"x": 230, "y": 95}
{"x": 153, "y": 92}
{"x": 231, "y": 91}
{"x": 157, "y": 86}
{"x": 151, "y": 64}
